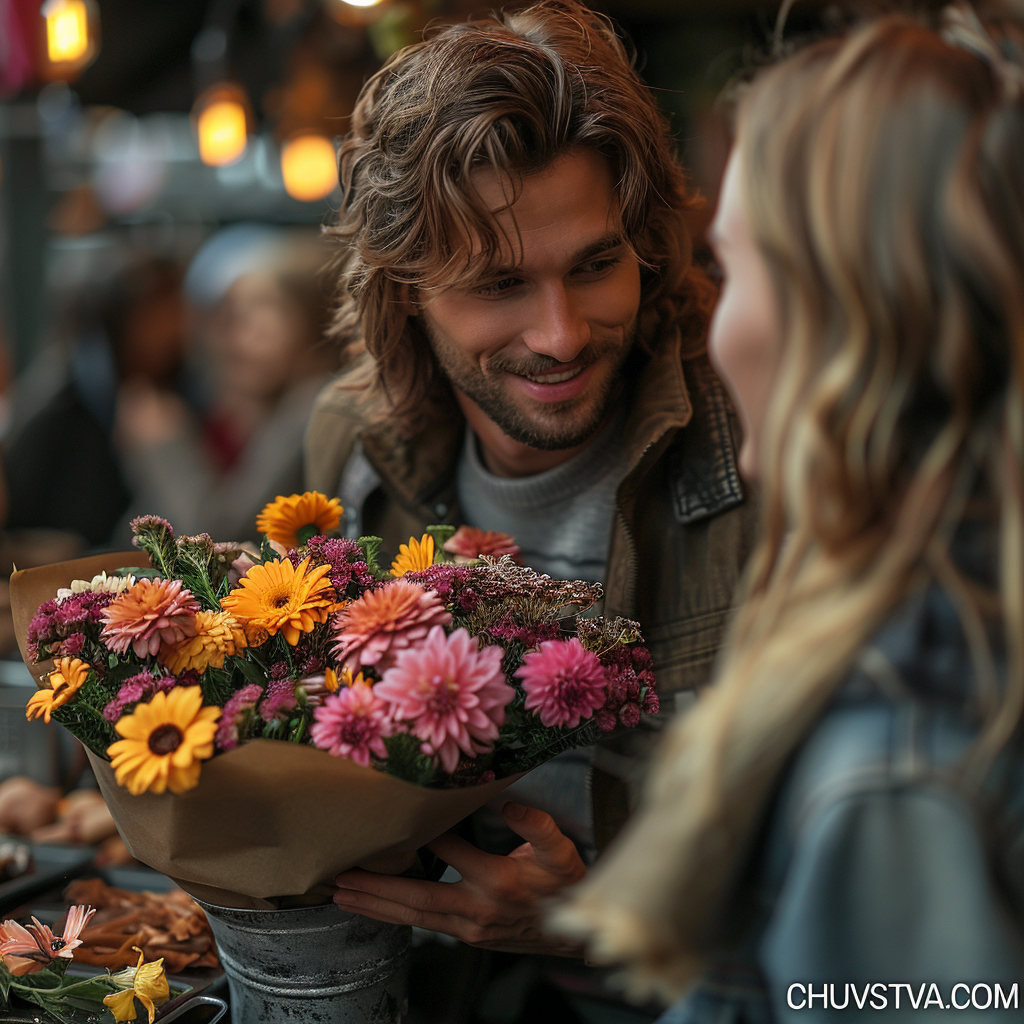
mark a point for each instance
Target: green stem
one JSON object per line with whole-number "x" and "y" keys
{"x": 60, "y": 989}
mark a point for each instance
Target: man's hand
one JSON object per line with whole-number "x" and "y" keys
{"x": 498, "y": 903}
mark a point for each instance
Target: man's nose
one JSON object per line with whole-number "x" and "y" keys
{"x": 560, "y": 330}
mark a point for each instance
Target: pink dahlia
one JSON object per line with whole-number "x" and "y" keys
{"x": 451, "y": 694}
{"x": 563, "y": 682}
{"x": 377, "y": 625}
{"x": 152, "y": 613}
{"x": 353, "y": 723}
{"x": 469, "y": 543}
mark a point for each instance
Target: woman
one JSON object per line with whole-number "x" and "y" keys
{"x": 839, "y": 821}
{"x": 264, "y": 318}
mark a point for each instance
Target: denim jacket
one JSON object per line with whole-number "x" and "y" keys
{"x": 877, "y": 866}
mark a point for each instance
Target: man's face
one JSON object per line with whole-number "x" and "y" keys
{"x": 538, "y": 346}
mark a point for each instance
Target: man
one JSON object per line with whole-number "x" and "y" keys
{"x": 525, "y": 341}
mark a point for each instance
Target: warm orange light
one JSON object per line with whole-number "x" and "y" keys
{"x": 222, "y": 132}
{"x": 67, "y": 30}
{"x": 309, "y": 167}
{"x": 362, "y": 3}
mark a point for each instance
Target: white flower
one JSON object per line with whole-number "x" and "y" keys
{"x": 101, "y": 584}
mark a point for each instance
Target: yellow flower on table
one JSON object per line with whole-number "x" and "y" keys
{"x": 164, "y": 742}
{"x": 293, "y": 520}
{"x": 145, "y": 982}
{"x": 277, "y": 597}
{"x": 415, "y": 556}
{"x": 218, "y": 636}
{"x": 63, "y": 683}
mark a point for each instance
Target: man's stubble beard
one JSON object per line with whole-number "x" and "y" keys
{"x": 487, "y": 393}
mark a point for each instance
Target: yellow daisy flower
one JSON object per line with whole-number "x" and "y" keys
{"x": 218, "y": 636}
{"x": 64, "y": 682}
{"x": 293, "y": 520}
{"x": 164, "y": 741}
{"x": 414, "y": 556}
{"x": 333, "y": 681}
{"x": 145, "y": 982}
{"x": 277, "y": 597}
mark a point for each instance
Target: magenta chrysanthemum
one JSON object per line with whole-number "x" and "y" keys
{"x": 451, "y": 694}
{"x": 234, "y": 711}
{"x": 138, "y": 687}
{"x": 279, "y": 700}
{"x": 152, "y": 613}
{"x": 375, "y": 627}
{"x": 353, "y": 723}
{"x": 563, "y": 682}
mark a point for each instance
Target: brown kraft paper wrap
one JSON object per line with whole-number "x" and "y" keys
{"x": 270, "y": 823}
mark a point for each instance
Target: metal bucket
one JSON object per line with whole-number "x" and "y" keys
{"x": 312, "y": 964}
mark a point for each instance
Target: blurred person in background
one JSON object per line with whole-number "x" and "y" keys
{"x": 62, "y": 467}
{"x": 843, "y": 808}
{"x": 260, "y": 311}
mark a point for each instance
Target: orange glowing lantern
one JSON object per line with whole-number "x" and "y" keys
{"x": 309, "y": 167}
{"x": 71, "y": 36}
{"x": 222, "y": 125}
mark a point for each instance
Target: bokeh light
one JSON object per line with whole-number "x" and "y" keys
{"x": 309, "y": 167}
{"x": 67, "y": 30}
{"x": 223, "y": 132}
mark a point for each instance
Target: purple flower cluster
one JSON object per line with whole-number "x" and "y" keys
{"x": 630, "y": 687}
{"x": 243, "y": 701}
{"x": 506, "y": 630}
{"x": 343, "y": 556}
{"x": 280, "y": 699}
{"x": 70, "y": 622}
{"x": 136, "y": 688}
{"x": 452, "y": 583}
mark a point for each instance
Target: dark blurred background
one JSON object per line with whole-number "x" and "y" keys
{"x": 165, "y": 169}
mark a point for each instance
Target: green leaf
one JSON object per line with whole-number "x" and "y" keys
{"x": 138, "y": 572}
{"x": 307, "y": 533}
{"x": 370, "y": 547}
{"x": 252, "y": 672}
{"x": 442, "y": 534}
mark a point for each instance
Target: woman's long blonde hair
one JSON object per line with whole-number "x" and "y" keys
{"x": 884, "y": 185}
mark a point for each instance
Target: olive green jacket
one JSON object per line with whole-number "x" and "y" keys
{"x": 682, "y": 534}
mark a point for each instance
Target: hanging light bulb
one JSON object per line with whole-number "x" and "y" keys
{"x": 361, "y": 3}
{"x": 72, "y": 36}
{"x": 309, "y": 167}
{"x": 222, "y": 124}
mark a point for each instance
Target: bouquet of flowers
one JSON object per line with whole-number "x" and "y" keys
{"x": 454, "y": 670}
{"x": 34, "y": 962}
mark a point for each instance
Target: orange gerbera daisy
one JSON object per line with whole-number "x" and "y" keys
{"x": 64, "y": 682}
{"x": 276, "y": 597}
{"x": 218, "y": 636}
{"x": 415, "y": 556}
{"x": 293, "y": 520}
{"x": 164, "y": 742}
{"x": 371, "y": 629}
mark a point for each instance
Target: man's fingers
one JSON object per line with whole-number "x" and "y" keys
{"x": 463, "y": 856}
{"x": 414, "y": 893}
{"x": 356, "y": 902}
{"x": 551, "y": 848}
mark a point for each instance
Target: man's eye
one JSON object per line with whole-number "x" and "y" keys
{"x": 498, "y": 287}
{"x": 598, "y": 266}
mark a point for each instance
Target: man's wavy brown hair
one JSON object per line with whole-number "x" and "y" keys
{"x": 511, "y": 92}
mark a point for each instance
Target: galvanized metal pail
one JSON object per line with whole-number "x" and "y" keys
{"x": 312, "y": 964}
